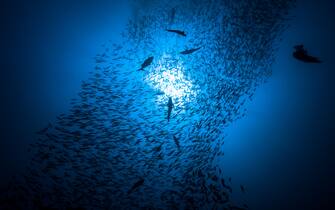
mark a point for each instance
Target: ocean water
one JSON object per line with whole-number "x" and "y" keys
{"x": 181, "y": 133}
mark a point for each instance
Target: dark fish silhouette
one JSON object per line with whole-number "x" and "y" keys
{"x": 301, "y": 54}
{"x": 226, "y": 186}
{"x": 182, "y": 33}
{"x": 136, "y": 185}
{"x": 158, "y": 148}
{"x": 185, "y": 52}
{"x": 147, "y": 62}
{"x": 176, "y": 141}
{"x": 170, "y": 107}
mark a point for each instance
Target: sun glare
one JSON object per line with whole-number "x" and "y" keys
{"x": 170, "y": 79}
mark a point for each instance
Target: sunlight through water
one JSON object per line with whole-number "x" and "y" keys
{"x": 168, "y": 77}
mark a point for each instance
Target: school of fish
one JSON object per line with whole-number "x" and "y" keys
{"x": 148, "y": 128}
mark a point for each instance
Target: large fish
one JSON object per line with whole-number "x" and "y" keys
{"x": 182, "y": 33}
{"x": 301, "y": 54}
{"x": 147, "y": 63}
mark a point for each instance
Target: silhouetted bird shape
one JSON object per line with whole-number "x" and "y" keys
{"x": 170, "y": 107}
{"x": 179, "y": 32}
{"x": 136, "y": 185}
{"x": 146, "y": 63}
{"x": 185, "y": 52}
{"x": 301, "y": 54}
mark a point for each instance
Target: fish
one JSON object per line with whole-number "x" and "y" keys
{"x": 158, "y": 148}
{"x": 170, "y": 107}
{"x": 160, "y": 93}
{"x": 301, "y": 54}
{"x": 113, "y": 133}
{"x": 176, "y": 141}
{"x": 136, "y": 185}
{"x": 186, "y": 52}
{"x": 214, "y": 178}
{"x": 146, "y": 63}
{"x": 182, "y": 33}
{"x": 226, "y": 186}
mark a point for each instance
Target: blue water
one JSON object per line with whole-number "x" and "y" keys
{"x": 284, "y": 147}
{"x": 50, "y": 50}
{"x": 280, "y": 150}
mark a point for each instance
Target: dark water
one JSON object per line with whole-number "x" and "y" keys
{"x": 112, "y": 146}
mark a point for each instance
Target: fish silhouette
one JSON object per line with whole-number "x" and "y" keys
{"x": 185, "y": 52}
{"x": 176, "y": 141}
{"x": 170, "y": 107}
{"x": 226, "y": 186}
{"x": 182, "y": 33}
{"x": 147, "y": 63}
{"x": 301, "y": 54}
{"x": 136, "y": 185}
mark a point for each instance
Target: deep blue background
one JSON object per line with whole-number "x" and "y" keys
{"x": 48, "y": 48}
{"x": 283, "y": 150}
